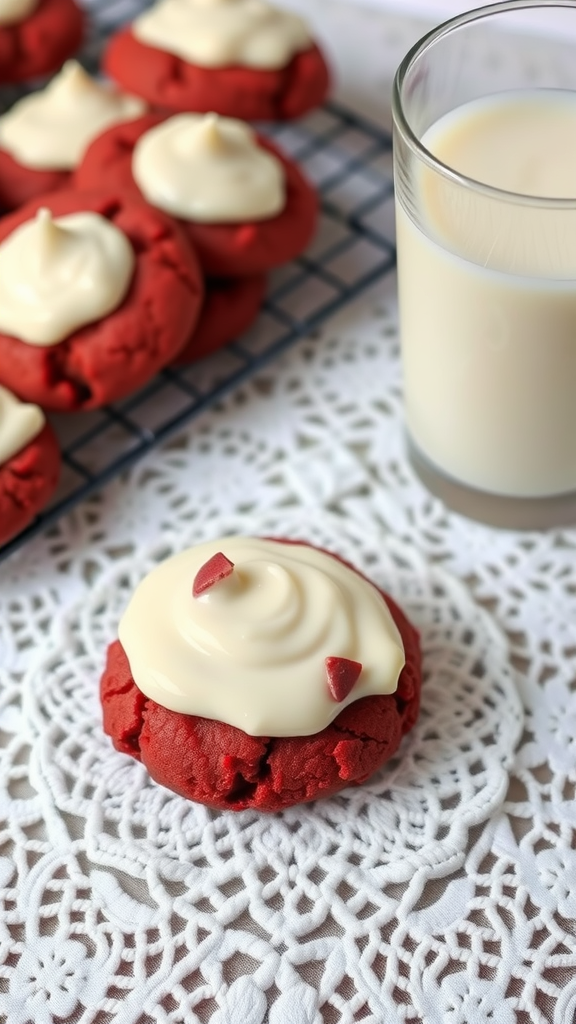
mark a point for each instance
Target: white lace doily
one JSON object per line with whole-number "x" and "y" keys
{"x": 135, "y": 893}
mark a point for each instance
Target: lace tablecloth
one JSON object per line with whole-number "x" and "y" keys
{"x": 442, "y": 891}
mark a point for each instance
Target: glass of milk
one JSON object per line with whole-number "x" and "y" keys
{"x": 485, "y": 174}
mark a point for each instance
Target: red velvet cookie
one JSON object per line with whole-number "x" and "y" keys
{"x": 108, "y": 359}
{"x": 170, "y": 83}
{"x": 41, "y": 42}
{"x": 224, "y": 250}
{"x": 230, "y": 307}
{"x": 222, "y": 766}
{"x": 27, "y": 482}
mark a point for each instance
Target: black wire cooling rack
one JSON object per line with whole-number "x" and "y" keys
{"x": 349, "y": 160}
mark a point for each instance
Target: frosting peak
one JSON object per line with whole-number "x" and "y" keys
{"x": 57, "y": 275}
{"x": 71, "y": 82}
{"x": 203, "y": 136}
{"x": 208, "y": 168}
{"x": 278, "y": 639}
{"x": 51, "y": 128}
{"x": 53, "y": 242}
{"x": 220, "y": 33}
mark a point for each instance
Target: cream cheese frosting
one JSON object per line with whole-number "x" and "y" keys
{"x": 58, "y": 274}
{"x": 20, "y": 423}
{"x": 221, "y": 33}
{"x": 50, "y": 129}
{"x": 210, "y": 169}
{"x": 13, "y": 11}
{"x": 251, "y": 649}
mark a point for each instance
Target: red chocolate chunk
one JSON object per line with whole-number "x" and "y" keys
{"x": 342, "y": 674}
{"x": 215, "y": 569}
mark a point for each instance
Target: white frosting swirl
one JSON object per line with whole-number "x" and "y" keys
{"x": 251, "y": 650}
{"x": 57, "y": 275}
{"x": 14, "y": 11}
{"x": 20, "y": 423}
{"x": 221, "y": 33}
{"x": 50, "y": 129}
{"x": 208, "y": 169}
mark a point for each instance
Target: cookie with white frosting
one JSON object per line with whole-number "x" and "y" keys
{"x": 98, "y": 291}
{"x": 29, "y": 464}
{"x": 242, "y": 58}
{"x": 245, "y": 205}
{"x": 37, "y": 36}
{"x": 45, "y": 134}
{"x": 260, "y": 673}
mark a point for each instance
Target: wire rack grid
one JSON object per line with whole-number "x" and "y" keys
{"x": 349, "y": 161}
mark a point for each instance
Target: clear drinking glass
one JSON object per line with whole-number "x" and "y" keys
{"x": 487, "y": 273}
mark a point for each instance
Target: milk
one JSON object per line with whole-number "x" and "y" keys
{"x": 487, "y": 290}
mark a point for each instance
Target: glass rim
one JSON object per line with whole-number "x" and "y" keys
{"x": 419, "y": 149}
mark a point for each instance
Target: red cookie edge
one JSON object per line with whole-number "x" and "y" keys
{"x": 27, "y": 482}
